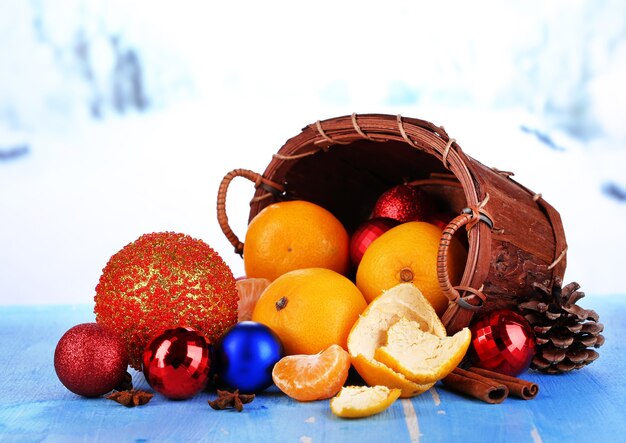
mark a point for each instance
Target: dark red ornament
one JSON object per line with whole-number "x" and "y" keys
{"x": 176, "y": 363}
{"x": 403, "y": 203}
{"x": 365, "y": 234}
{"x": 502, "y": 341}
{"x": 90, "y": 360}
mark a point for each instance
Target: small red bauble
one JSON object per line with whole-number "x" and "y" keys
{"x": 502, "y": 341}
{"x": 403, "y": 203}
{"x": 90, "y": 360}
{"x": 176, "y": 363}
{"x": 365, "y": 234}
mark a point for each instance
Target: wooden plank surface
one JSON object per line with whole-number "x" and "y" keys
{"x": 587, "y": 405}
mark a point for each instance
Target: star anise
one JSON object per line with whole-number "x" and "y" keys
{"x": 226, "y": 399}
{"x": 131, "y": 398}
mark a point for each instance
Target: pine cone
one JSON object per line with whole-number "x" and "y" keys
{"x": 564, "y": 331}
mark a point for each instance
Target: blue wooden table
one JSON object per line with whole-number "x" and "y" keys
{"x": 587, "y": 405}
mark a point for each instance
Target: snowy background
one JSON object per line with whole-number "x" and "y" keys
{"x": 120, "y": 118}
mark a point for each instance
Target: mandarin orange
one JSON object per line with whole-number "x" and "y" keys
{"x": 310, "y": 309}
{"x": 408, "y": 253}
{"x": 294, "y": 235}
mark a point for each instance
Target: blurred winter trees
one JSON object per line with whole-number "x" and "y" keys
{"x": 561, "y": 61}
{"x": 72, "y": 58}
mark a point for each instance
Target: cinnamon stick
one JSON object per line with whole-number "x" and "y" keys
{"x": 482, "y": 388}
{"x": 517, "y": 387}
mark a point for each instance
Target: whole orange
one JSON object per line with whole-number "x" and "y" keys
{"x": 408, "y": 253}
{"x": 310, "y": 309}
{"x": 294, "y": 235}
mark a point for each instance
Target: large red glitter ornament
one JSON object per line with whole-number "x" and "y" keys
{"x": 403, "y": 203}
{"x": 177, "y": 364}
{"x": 365, "y": 234}
{"x": 502, "y": 341}
{"x": 90, "y": 360}
{"x": 163, "y": 281}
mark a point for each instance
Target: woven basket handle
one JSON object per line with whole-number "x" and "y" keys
{"x": 467, "y": 217}
{"x": 259, "y": 182}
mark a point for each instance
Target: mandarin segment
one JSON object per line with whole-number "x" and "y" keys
{"x": 249, "y": 290}
{"x": 294, "y": 235}
{"x": 310, "y": 309}
{"x": 363, "y": 401}
{"x": 312, "y": 377}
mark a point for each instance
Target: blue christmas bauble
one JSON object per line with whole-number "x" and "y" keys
{"x": 245, "y": 356}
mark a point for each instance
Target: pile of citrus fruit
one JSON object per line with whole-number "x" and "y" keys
{"x": 384, "y": 322}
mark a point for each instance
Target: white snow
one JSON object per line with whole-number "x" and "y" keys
{"x": 229, "y": 84}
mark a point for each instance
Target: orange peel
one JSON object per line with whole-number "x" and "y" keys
{"x": 362, "y": 401}
{"x": 419, "y": 356}
{"x": 369, "y": 333}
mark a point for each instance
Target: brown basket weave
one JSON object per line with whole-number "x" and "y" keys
{"x": 344, "y": 164}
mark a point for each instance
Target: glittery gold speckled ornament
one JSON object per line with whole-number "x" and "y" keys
{"x": 162, "y": 281}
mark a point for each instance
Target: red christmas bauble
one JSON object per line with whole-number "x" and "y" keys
{"x": 502, "y": 341}
{"x": 90, "y": 360}
{"x": 161, "y": 281}
{"x": 176, "y": 364}
{"x": 403, "y": 203}
{"x": 440, "y": 219}
{"x": 365, "y": 234}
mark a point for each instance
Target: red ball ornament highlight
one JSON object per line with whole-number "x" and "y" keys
{"x": 177, "y": 363}
{"x": 403, "y": 203}
{"x": 90, "y": 360}
{"x": 502, "y": 341}
{"x": 365, "y": 234}
{"x": 161, "y": 281}
{"x": 440, "y": 219}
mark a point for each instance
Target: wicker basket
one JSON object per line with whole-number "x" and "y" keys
{"x": 343, "y": 164}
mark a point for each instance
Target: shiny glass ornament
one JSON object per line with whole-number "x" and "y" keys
{"x": 246, "y": 355}
{"x": 502, "y": 341}
{"x": 176, "y": 363}
{"x": 365, "y": 234}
